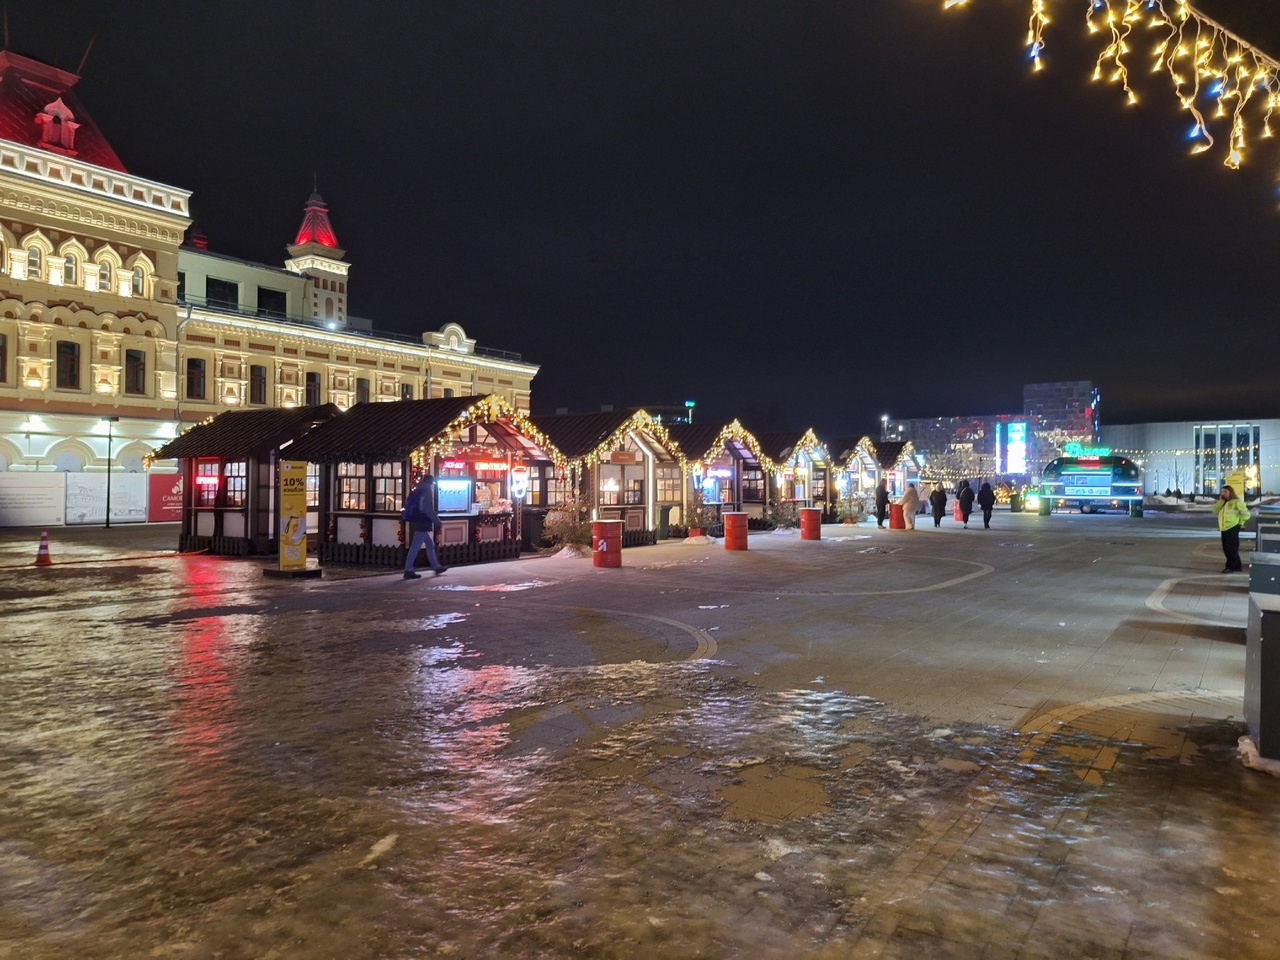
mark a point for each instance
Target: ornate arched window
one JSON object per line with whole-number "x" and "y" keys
{"x": 104, "y": 275}
{"x": 71, "y": 269}
{"x": 34, "y": 261}
{"x": 137, "y": 282}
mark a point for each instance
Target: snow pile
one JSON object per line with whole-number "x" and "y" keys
{"x": 704, "y": 539}
{"x": 571, "y": 552}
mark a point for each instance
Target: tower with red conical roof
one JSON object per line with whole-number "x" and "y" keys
{"x": 316, "y": 255}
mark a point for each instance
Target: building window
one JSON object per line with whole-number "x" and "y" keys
{"x": 558, "y": 490}
{"x": 669, "y": 484}
{"x": 207, "y": 480}
{"x": 237, "y": 482}
{"x": 71, "y": 269}
{"x": 138, "y": 282}
{"x": 328, "y": 308}
{"x": 68, "y": 376}
{"x": 135, "y": 372}
{"x": 406, "y": 391}
{"x": 448, "y": 392}
{"x": 388, "y": 488}
{"x": 752, "y": 485}
{"x": 272, "y": 303}
{"x": 313, "y": 389}
{"x": 352, "y": 486}
{"x": 104, "y": 276}
{"x": 257, "y": 384}
{"x": 221, "y": 293}
{"x": 4, "y": 358}
{"x": 34, "y": 260}
{"x": 362, "y": 390}
{"x": 313, "y": 485}
{"x": 182, "y": 287}
{"x": 195, "y": 379}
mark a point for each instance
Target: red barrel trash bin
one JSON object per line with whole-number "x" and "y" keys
{"x": 606, "y": 543}
{"x": 810, "y": 523}
{"x": 895, "y": 517}
{"x": 735, "y": 530}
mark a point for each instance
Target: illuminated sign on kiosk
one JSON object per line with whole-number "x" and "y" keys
{"x": 519, "y": 481}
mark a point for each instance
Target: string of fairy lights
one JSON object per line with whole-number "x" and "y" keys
{"x": 1202, "y": 58}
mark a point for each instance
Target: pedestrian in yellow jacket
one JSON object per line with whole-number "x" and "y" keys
{"x": 1232, "y": 516}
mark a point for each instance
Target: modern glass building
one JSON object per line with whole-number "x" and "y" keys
{"x": 1198, "y": 457}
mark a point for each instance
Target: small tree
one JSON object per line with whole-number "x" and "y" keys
{"x": 785, "y": 514}
{"x": 568, "y": 524}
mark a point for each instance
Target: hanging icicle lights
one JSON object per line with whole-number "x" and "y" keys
{"x": 1202, "y": 57}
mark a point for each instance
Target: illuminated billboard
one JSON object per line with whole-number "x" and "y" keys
{"x": 1016, "y": 456}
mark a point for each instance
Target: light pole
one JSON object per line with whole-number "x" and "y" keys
{"x": 884, "y": 425}
{"x": 109, "y": 421}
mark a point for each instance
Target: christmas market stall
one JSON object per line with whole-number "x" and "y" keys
{"x": 230, "y": 477}
{"x": 896, "y": 462}
{"x": 801, "y": 473}
{"x": 856, "y": 467}
{"x": 478, "y": 448}
{"x": 622, "y": 464}
{"x": 725, "y": 470}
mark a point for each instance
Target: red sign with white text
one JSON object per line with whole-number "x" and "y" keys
{"x": 164, "y": 497}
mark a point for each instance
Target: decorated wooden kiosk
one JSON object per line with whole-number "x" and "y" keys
{"x": 478, "y": 448}
{"x": 230, "y": 477}
{"x": 725, "y": 471}
{"x": 856, "y": 467}
{"x": 801, "y": 473}
{"x": 622, "y": 464}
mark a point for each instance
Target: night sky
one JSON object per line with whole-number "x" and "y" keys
{"x": 796, "y": 213}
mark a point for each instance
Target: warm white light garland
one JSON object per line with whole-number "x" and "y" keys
{"x": 1202, "y": 58}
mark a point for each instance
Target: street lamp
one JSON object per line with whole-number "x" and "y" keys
{"x": 109, "y": 421}
{"x": 884, "y": 425}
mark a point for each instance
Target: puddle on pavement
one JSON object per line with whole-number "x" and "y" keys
{"x": 218, "y": 789}
{"x": 494, "y": 587}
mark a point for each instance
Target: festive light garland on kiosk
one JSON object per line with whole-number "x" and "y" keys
{"x": 1197, "y": 52}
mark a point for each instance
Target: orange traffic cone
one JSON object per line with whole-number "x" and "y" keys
{"x": 42, "y": 557}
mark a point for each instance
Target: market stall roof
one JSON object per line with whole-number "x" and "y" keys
{"x": 781, "y": 445}
{"x": 847, "y": 449}
{"x": 890, "y": 453}
{"x": 581, "y": 436}
{"x": 706, "y": 442}
{"x": 385, "y": 432}
{"x": 245, "y": 433}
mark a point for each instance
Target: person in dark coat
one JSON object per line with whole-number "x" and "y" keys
{"x": 420, "y": 511}
{"x": 986, "y": 500}
{"x": 938, "y": 503}
{"x": 882, "y": 502}
{"x": 965, "y": 496}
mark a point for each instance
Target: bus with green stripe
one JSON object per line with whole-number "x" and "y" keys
{"x": 1088, "y": 479}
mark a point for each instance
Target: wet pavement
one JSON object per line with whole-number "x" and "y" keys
{"x": 961, "y": 743}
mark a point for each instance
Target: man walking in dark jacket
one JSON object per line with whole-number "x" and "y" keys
{"x": 420, "y": 511}
{"x": 987, "y": 501}
{"x": 882, "y": 502}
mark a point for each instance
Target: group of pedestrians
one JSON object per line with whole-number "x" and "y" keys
{"x": 985, "y": 498}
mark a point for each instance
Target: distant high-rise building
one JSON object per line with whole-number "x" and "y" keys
{"x": 1067, "y": 409}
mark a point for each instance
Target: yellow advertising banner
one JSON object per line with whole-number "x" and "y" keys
{"x": 293, "y": 515}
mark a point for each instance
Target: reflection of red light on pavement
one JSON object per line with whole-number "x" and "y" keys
{"x": 204, "y": 687}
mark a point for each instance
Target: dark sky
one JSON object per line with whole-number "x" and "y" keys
{"x": 797, "y": 213}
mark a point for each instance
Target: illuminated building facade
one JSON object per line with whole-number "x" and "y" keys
{"x": 953, "y": 448}
{"x": 1199, "y": 456}
{"x": 113, "y": 333}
